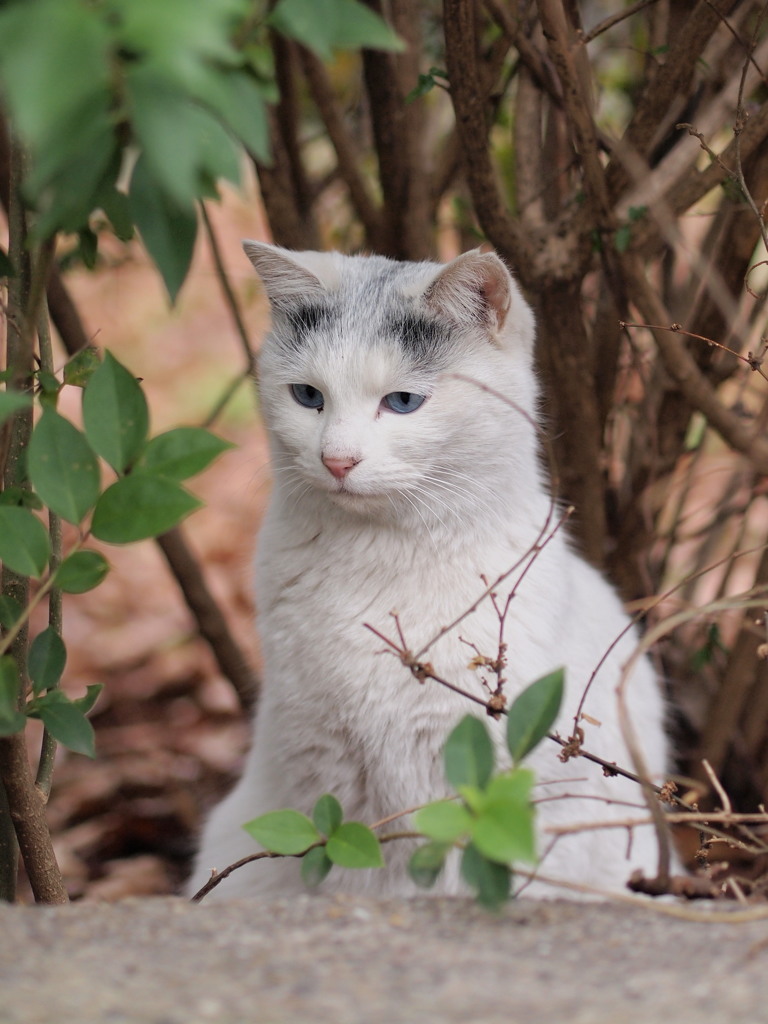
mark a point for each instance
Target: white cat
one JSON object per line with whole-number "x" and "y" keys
{"x": 398, "y": 484}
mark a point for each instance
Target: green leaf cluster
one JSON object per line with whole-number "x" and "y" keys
{"x": 324, "y": 839}
{"x": 493, "y": 821}
{"x": 63, "y": 474}
{"x": 328, "y": 25}
{"x": 64, "y": 718}
{"x": 91, "y": 85}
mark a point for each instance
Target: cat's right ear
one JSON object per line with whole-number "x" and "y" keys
{"x": 477, "y": 289}
{"x": 290, "y": 277}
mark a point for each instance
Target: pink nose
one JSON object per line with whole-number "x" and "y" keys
{"x": 339, "y": 467}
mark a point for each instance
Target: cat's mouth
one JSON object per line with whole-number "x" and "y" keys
{"x": 346, "y": 495}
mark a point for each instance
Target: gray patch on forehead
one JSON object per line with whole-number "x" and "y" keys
{"x": 422, "y": 339}
{"x": 370, "y": 310}
{"x": 298, "y": 323}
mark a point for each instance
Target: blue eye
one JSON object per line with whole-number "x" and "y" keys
{"x": 403, "y": 401}
{"x": 308, "y": 396}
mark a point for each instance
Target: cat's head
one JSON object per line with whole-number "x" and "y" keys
{"x": 378, "y": 379}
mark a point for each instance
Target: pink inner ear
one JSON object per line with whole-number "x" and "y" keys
{"x": 495, "y": 291}
{"x": 471, "y": 283}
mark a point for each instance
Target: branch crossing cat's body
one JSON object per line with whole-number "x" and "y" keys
{"x": 398, "y": 484}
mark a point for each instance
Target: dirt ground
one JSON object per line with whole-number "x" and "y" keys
{"x": 318, "y": 959}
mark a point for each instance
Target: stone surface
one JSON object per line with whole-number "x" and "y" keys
{"x": 342, "y": 961}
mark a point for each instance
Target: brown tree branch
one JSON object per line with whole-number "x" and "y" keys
{"x": 673, "y": 77}
{"x": 567, "y": 362}
{"x": 561, "y": 39}
{"x": 398, "y": 133}
{"x": 230, "y": 298}
{"x": 537, "y": 64}
{"x": 347, "y": 154}
{"x": 614, "y": 19}
{"x": 292, "y": 225}
{"x": 210, "y": 621}
{"x": 472, "y": 129}
{"x": 683, "y": 370}
{"x": 27, "y": 810}
{"x": 688, "y": 191}
{"x": 64, "y": 314}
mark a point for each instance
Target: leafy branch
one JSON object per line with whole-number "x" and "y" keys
{"x": 490, "y": 822}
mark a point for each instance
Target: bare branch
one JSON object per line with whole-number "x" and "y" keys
{"x": 614, "y": 19}
{"x": 561, "y": 39}
{"x": 536, "y": 62}
{"x": 211, "y": 623}
{"x": 347, "y": 153}
{"x": 673, "y": 77}
{"x": 683, "y": 369}
{"x": 472, "y": 129}
{"x": 27, "y": 811}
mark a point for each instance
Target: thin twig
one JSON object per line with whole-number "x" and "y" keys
{"x": 741, "y": 119}
{"x": 718, "y": 787}
{"x": 659, "y": 599}
{"x": 229, "y": 295}
{"x": 208, "y": 615}
{"x": 614, "y": 19}
{"x": 45, "y": 764}
{"x": 755, "y": 363}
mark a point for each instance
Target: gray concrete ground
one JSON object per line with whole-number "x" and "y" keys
{"x": 338, "y": 960}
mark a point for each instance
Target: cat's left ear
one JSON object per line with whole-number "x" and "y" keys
{"x": 476, "y": 289}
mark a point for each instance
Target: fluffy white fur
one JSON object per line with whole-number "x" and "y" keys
{"x": 437, "y": 499}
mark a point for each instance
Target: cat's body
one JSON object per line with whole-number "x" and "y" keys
{"x": 383, "y": 504}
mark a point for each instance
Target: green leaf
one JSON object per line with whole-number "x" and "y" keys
{"x": 353, "y": 845}
{"x": 63, "y": 468}
{"x": 444, "y": 820}
{"x": 492, "y": 882}
{"x": 167, "y": 230}
{"x": 473, "y": 797}
{"x": 138, "y": 507}
{"x": 426, "y": 83}
{"x": 46, "y": 660}
{"x": 91, "y": 696}
{"x": 18, "y": 496}
{"x": 117, "y": 207}
{"x": 115, "y": 414}
{"x": 185, "y": 146}
{"x": 81, "y": 571}
{"x": 182, "y": 452}
{"x": 11, "y": 719}
{"x": 288, "y": 832}
{"x": 65, "y": 721}
{"x": 503, "y": 830}
{"x": 180, "y": 39}
{"x": 67, "y": 175}
{"x": 469, "y": 754}
{"x": 533, "y": 713}
{"x": 327, "y": 814}
{"x": 81, "y": 367}
{"x": 11, "y": 402}
{"x": 325, "y": 25}
{"x": 240, "y": 103}
{"x": 427, "y": 862}
{"x": 37, "y": 41}
{"x": 24, "y": 545}
{"x": 315, "y": 865}
{"x": 88, "y": 247}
